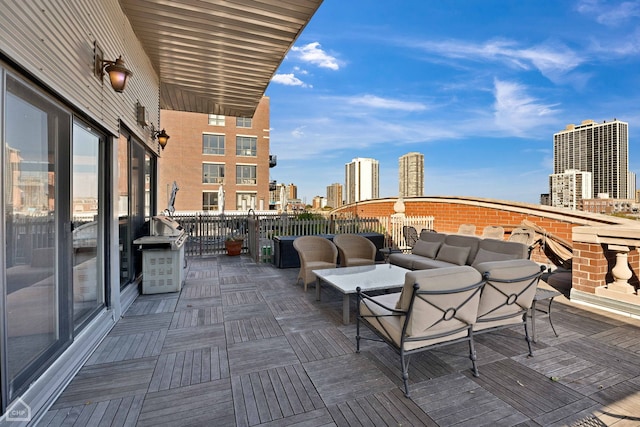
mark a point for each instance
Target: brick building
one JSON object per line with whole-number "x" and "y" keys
{"x": 207, "y": 150}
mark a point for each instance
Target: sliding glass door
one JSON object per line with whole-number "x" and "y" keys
{"x": 37, "y": 135}
{"x": 53, "y": 191}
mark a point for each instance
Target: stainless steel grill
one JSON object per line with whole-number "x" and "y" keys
{"x": 163, "y": 258}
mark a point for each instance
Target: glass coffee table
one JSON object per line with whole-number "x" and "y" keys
{"x": 367, "y": 277}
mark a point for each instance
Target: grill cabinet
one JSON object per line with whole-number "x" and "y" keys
{"x": 163, "y": 258}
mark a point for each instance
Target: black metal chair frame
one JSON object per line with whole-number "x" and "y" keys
{"x": 447, "y": 315}
{"x": 510, "y": 299}
{"x": 410, "y": 235}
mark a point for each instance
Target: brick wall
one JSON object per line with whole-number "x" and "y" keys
{"x": 591, "y": 264}
{"x": 182, "y": 158}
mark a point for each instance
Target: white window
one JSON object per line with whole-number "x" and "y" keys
{"x": 216, "y": 120}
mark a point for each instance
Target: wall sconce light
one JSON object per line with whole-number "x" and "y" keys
{"x": 118, "y": 73}
{"x": 161, "y": 135}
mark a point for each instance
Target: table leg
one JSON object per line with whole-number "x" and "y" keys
{"x": 317, "y": 289}
{"x": 345, "y": 309}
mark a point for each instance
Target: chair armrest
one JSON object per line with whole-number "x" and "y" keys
{"x": 362, "y": 296}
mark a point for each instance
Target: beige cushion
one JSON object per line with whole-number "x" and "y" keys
{"x": 427, "y": 249}
{"x": 453, "y": 254}
{"x": 484, "y": 255}
{"x": 426, "y": 317}
{"x": 495, "y": 294}
{"x": 443, "y": 278}
{"x": 391, "y": 326}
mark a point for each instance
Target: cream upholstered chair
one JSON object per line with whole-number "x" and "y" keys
{"x": 493, "y": 232}
{"x": 316, "y": 253}
{"x": 508, "y": 293}
{"x": 355, "y": 250}
{"x": 435, "y": 307}
{"x": 469, "y": 229}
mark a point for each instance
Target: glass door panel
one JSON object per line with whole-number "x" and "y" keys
{"x": 88, "y": 235}
{"x": 36, "y": 132}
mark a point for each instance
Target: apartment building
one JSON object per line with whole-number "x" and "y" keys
{"x": 362, "y": 179}
{"x": 334, "y": 195}
{"x": 599, "y": 148}
{"x": 207, "y": 151}
{"x": 411, "y": 175}
{"x": 569, "y": 189}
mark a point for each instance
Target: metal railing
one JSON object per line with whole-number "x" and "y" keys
{"x": 209, "y": 231}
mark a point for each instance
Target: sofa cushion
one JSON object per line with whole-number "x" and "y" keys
{"x": 428, "y": 249}
{"x": 484, "y": 255}
{"x": 425, "y": 263}
{"x": 403, "y": 260}
{"x": 430, "y": 236}
{"x": 454, "y": 254}
{"x": 471, "y": 242}
{"x": 442, "y": 279}
{"x": 506, "y": 279}
{"x": 504, "y": 247}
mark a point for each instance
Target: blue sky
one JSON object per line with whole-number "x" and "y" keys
{"x": 478, "y": 87}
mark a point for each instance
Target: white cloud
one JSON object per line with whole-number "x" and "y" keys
{"x": 298, "y": 132}
{"x": 288, "y": 80}
{"x": 552, "y": 61}
{"x": 517, "y": 112}
{"x": 313, "y": 54}
{"x": 611, "y": 16}
{"x": 373, "y": 101}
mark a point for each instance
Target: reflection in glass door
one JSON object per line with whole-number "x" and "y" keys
{"x": 36, "y": 285}
{"x": 88, "y": 232}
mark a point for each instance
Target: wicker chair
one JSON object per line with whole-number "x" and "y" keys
{"x": 493, "y": 232}
{"x": 316, "y": 253}
{"x": 410, "y": 235}
{"x": 355, "y": 250}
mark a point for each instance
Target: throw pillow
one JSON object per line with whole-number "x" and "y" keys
{"x": 426, "y": 249}
{"x": 484, "y": 255}
{"x": 453, "y": 254}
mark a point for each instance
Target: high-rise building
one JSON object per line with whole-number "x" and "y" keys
{"x": 334, "y": 195}
{"x": 362, "y": 179}
{"x": 631, "y": 185}
{"x": 292, "y": 191}
{"x": 599, "y": 148}
{"x": 318, "y": 202}
{"x": 568, "y": 189}
{"x": 411, "y": 175}
{"x": 216, "y": 150}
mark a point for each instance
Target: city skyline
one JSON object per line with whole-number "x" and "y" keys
{"x": 479, "y": 96}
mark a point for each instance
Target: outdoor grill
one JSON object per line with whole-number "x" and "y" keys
{"x": 163, "y": 258}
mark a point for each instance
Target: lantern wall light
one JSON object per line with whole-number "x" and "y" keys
{"x": 118, "y": 73}
{"x": 161, "y": 135}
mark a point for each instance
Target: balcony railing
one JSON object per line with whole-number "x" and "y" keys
{"x": 208, "y": 231}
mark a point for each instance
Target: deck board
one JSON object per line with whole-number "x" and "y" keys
{"x": 243, "y": 345}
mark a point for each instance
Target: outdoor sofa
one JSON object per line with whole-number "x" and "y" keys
{"x": 437, "y": 250}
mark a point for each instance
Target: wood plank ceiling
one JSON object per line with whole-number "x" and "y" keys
{"x": 217, "y": 56}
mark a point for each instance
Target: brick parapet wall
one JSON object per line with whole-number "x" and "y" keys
{"x": 591, "y": 264}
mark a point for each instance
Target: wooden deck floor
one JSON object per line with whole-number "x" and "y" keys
{"x": 242, "y": 345}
